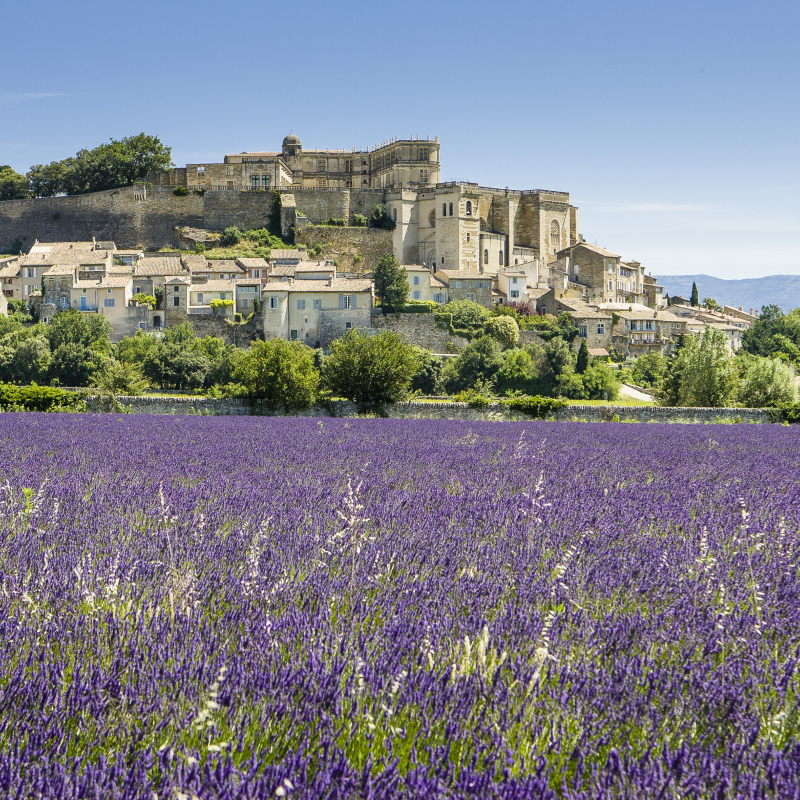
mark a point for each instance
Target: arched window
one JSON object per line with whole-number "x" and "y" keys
{"x": 500, "y": 258}
{"x": 467, "y": 237}
{"x": 444, "y": 209}
{"x": 485, "y": 256}
{"x": 451, "y": 209}
{"x": 555, "y": 233}
{"x": 469, "y": 208}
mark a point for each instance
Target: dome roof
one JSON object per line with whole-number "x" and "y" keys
{"x": 291, "y": 139}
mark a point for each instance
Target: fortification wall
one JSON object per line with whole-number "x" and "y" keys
{"x": 423, "y": 410}
{"x": 245, "y": 210}
{"x": 419, "y": 329}
{"x": 344, "y": 243}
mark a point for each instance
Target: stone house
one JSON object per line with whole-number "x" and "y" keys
{"x": 594, "y": 325}
{"x": 512, "y": 286}
{"x": 467, "y": 285}
{"x": 419, "y": 283}
{"x": 90, "y": 256}
{"x": 314, "y": 312}
{"x": 604, "y": 275}
{"x": 654, "y": 294}
{"x": 640, "y": 329}
{"x": 11, "y": 278}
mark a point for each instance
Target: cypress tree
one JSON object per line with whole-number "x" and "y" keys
{"x": 583, "y": 358}
{"x": 695, "y": 301}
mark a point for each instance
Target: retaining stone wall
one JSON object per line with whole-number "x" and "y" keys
{"x": 343, "y": 243}
{"x": 418, "y": 329}
{"x": 443, "y": 410}
{"x": 211, "y": 325}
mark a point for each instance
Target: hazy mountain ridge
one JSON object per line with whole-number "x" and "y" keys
{"x": 781, "y": 290}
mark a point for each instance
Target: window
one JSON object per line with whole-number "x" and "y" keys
{"x": 444, "y": 209}
{"x": 469, "y": 208}
{"x": 416, "y": 280}
{"x": 108, "y": 302}
{"x": 458, "y": 284}
{"x": 347, "y": 301}
{"x": 394, "y": 214}
{"x": 273, "y": 302}
{"x": 174, "y": 288}
{"x": 467, "y": 237}
{"x": 256, "y": 273}
{"x": 254, "y": 181}
{"x": 648, "y": 325}
{"x": 633, "y": 325}
{"x": 423, "y": 154}
{"x": 481, "y": 285}
{"x": 555, "y": 234}
{"x": 582, "y": 331}
{"x": 30, "y": 272}
{"x": 416, "y": 295}
{"x": 318, "y": 304}
{"x": 500, "y": 258}
{"x": 201, "y": 172}
{"x": 423, "y": 176}
{"x": 513, "y": 280}
{"x": 451, "y": 209}
{"x": 322, "y": 165}
{"x": 64, "y": 303}
{"x": 199, "y": 297}
{"x": 514, "y": 294}
{"x": 293, "y": 335}
{"x": 576, "y": 270}
{"x": 176, "y": 301}
{"x": 63, "y": 284}
{"x": 470, "y": 296}
{"x": 245, "y": 303}
{"x": 610, "y": 285}
{"x": 601, "y": 328}
{"x": 322, "y": 183}
{"x": 442, "y": 260}
{"x": 301, "y": 305}
{"x": 265, "y": 181}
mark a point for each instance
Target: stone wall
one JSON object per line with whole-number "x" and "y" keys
{"x": 419, "y": 329}
{"x": 212, "y": 325}
{"x": 439, "y": 410}
{"x": 343, "y": 243}
{"x": 333, "y": 323}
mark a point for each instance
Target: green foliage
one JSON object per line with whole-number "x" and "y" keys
{"x": 427, "y": 375}
{"x": 335, "y": 223}
{"x": 13, "y": 186}
{"x": 221, "y": 303}
{"x": 30, "y": 361}
{"x": 109, "y": 166}
{"x": 774, "y": 334}
{"x": 600, "y": 382}
{"x": 39, "y": 398}
{"x": 199, "y": 248}
{"x": 767, "y": 382}
{"x": 381, "y": 219}
{"x": 521, "y": 372}
{"x": 315, "y": 249}
{"x": 582, "y": 363}
{"x": 478, "y": 361}
{"x": 711, "y": 304}
{"x": 359, "y": 221}
{"x": 371, "y": 369}
{"x": 648, "y": 370}
{"x": 72, "y": 327}
{"x": 695, "y": 299}
{"x": 702, "y": 374}
{"x": 72, "y": 364}
{"x": 181, "y": 191}
{"x": 391, "y": 282}
{"x": 146, "y": 299}
{"x": 230, "y": 236}
{"x": 503, "y": 329}
{"x": 417, "y": 307}
{"x": 479, "y": 396}
{"x": 158, "y": 292}
{"x": 562, "y": 327}
{"x": 120, "y": 377}
{"x": 536, "y": 406}
{"x": 462, "y": 318}
{"x": 279, "y": 372}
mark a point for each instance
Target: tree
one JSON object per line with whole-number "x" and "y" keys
{"x": 13, "y": 186}
{"x": 583, "y": 358}
{"x": 648, "y": 370}
{"x": 72, "y": 327}
{"x": 279, "y": 372}
{"x": 230, "y": 236}
{"x": 695, "y": 299}
{"x": 600, "y": 382}
{"x": 427, "y": 375}
{"x": 703, "y": 373}
{"x": 519, "y": 373}
{"x": 31, "y": 360}
{"x": 465, "y": 315}
{"x": 380, "y": 218}
{"x": 371, "y": 369}
{"x": 479, "y": 361}
{"x": 71, "y": 365}
{"x": 504, "y": 330}
{"x": 109, "y": 166}
{"x": 767, "y": 382}
{"x": 134, "y": 349}
{"x": 391, "y": 282}
{"x": 121, "y": 377}
{"x": 711, "y": 304}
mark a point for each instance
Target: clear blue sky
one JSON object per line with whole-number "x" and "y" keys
{"x": 673, "y": 125}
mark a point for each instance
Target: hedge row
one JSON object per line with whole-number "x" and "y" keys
{"x": 39, "y": 398}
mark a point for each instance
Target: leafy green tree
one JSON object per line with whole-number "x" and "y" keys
{"x": 768, "y": 382}
{"x": 560, "y": 356}
{"x": 122, "y": 377}
{"x": 600, "y": 382}
{"x": 518, "y": 373}
{"x": 72, "y": 327}
{"x": 31, "y": 360}
{"x": 380, "y": 218}
{"x": 503, "y": 329}
{"x": 648, "y": 370}
{"x": 774, "y": 334}
{"x": 703, "y": 373}
{"x": 427, "y": 375}
{"x": 71, "y": 365}
{"x": 280, "y": 372}
{"x": 13, "y": 186}
{"x": 230, "y": 236}
{"x": 711, "y": 304}
{"x": 466, "y": 315}
{"x": 371, "y": 369}
{"x": 109, "y": 166}
{"x": 583, "y": 357}
{"x": 695, "y": 299}
{"x": 478, "y": 361}
{"x": 391, "y": 282}
{"x": 134, "y": 349}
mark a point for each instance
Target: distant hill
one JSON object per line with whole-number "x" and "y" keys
{"x": 782, "y": 290}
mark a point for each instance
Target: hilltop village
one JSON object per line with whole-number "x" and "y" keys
{"x": 342, "y": 209}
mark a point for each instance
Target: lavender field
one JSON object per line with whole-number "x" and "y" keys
{"x": 275, "y": 607}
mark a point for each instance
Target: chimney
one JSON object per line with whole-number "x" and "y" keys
{"x": 751, "y": 312}
{"x": 740, "y": 308}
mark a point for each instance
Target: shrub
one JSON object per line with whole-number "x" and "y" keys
{"x": 536, "y": 407}
{"x": 359, "y": 221}
{"x": 381, "y": 219}
{"x": 199, "y": 248}
{"x": 221, "y": 303}
{"x": 39, "y": 398}
{"x": 315, "y": 249}
{"x": 230, "y": 236}
{"x": 767, "y": 382}
{"x": 479, "y": 361}
{"x": 145, "y": 299}
{"x": 335, "y": 223}
{"x": 119, "y": 377}
{"x": 427, "y": 375}
{"x": 180, "y": 191}
{"x": 503, "y": 329}
{"x": 371, "y": 369}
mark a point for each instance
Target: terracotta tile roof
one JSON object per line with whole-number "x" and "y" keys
{"x": 436, "y": 283}
{"x": 185, "y": 279}
{"x": 252, "y": 263}
{"x": 598, "y": 351}
{"x": 461, "y": 274}
{"x": 214, "y": 286}
{"x": 159, "y": 265}
{"x": 535, "y": 294}
{"x": 115, "y": 281}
